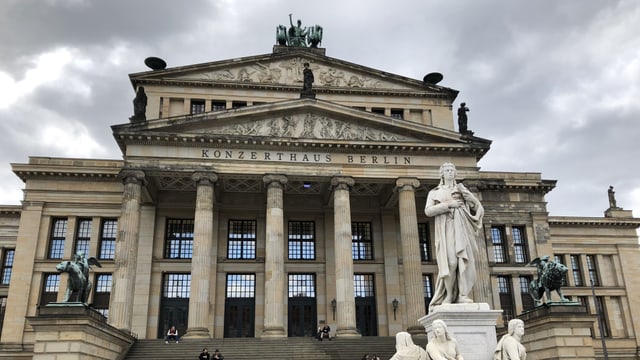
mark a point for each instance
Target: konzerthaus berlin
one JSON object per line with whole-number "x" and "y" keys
{"x": 242, "y": 209}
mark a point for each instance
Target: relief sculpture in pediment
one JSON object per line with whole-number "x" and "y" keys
{"x": 308, "y": 126}
{"x": 289, "y": 72}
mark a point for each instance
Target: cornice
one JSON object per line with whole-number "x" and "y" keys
{"x": 213, "y": 141}
{"x": 10, "y": 210}
{"x": 594, "y": 221}
{"x": 290, "y": 88}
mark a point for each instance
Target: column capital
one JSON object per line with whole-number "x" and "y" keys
{"x": 130, "y": 176}
{"x": 274, "y": 180}
{"x": 204, "y": 178}
{"x": 342, "y": 182}
{"x": 407, "y": 184}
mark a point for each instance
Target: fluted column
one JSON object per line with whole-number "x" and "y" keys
{"x": 201, "y": 258}
{"x": 274, "y": 258}
{"x": 125, "y": 258}
{"x": 345, "y": 297}
{"x": 411, "y": 262}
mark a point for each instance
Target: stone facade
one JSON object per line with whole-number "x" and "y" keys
{"x": 240, "y": 209}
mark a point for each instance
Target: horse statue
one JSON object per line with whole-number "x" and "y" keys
{"x": 281, "y": 35}
{"x": 314, "y": 36}
{"x": 550, "y": 278}
{"x": 78, "y": 284}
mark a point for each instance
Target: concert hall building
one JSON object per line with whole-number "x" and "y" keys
{"x": 243, "y": 208}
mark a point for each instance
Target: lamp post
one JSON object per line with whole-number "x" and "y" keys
{"x": 334, "y": 304}
{"x": 394, "y": 303}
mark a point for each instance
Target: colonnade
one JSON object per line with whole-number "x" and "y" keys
{"x": 121, "y": 307}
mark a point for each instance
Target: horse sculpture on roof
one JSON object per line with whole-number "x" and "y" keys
{"x": 78, "y": 284}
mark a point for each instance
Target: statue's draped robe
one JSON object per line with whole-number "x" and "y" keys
{"x": 454, "y": 227}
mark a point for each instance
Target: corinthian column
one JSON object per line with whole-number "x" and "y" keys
{"x": 411, "y": 261}
{"x": 274, "y": 258}
{"x": 201, "y": 258}
{"x": 126, "y": 252}
{"x": 345, "y": 297}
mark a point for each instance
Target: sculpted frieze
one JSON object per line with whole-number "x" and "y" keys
{"x": 307, "y": 126}
{"x": 290, "y": 73}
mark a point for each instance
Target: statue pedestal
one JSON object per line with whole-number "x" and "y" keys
{"x": 559, "y": 331}
{"x": 73, "y": 331}
{"x": 472, "y": 325}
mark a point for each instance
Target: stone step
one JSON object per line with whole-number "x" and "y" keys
{"x": 265, "y": 349}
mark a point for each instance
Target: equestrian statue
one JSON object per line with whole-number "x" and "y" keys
{"x": 78, "y": 284}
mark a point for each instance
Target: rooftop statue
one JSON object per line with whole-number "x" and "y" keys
{"x": 78, "y": 285}
{"x": 612, "y": 198}
{"x": 550, "y": 278}
{"x": 139, "y": 106}
{"x": 297, "y": 35}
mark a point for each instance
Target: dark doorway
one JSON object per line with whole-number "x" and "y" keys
{"x": 239, "y": 317}
{"x": 174, "y": 304}
{"x": 302, "y": 316}
{"x": 240, "y": 304}
{"x": 366, "y": 316}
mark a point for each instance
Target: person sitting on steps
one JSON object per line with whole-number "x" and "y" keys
{"x": 324, "y": 332}
{"x": 172, "y": 335}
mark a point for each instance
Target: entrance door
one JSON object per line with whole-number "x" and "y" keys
{"x": 174, "y": 304}
{"x": 302, "y": 316}
{"x": 239, "y": 317}
{"x": 240, "y": 305}
{"x": 173, "y": 312}
{"x": 366, "y": 319}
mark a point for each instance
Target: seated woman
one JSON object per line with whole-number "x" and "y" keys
{"x": 406, "y": 349}
{"x": 442, "y": 346}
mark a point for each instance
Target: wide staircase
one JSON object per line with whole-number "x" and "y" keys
{"x": 252, "y": 348}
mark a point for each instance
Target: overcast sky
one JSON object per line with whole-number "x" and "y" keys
{"x": 554, "y": 84}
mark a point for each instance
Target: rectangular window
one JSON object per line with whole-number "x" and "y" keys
{"x": 302, "y": 240}
{"x": 377, "y": 111}
{"x": 7, "y": 265}
{"x": 602, "y": 312}
{"x": 361, "y": 241}
{"x": 364, "y": 285}
{"x": 423, "y": 234}
{"x": 218, "y": 105}
{"x": 302, "y": 285}
{"x": 57, "y": 237}
{"x": 241, "y": 286}
{"x": 102, "y": 293}
{"x": 108, "y": 234}
{"x": 241, "y": 241}
{"x": 50, "y": 288}
{"x": 83, "y": 236}
{"x": 197, "y": 106}
{"x": 3, "y": 308}
{"x": 179, "y": 239}
{"x": 176, "y": 285}
{"x": 428, "y": 290}
{"x": 520, "y": 245}
{"x": 499, "y": 249}
{"x": 506, "y": 298}
{"x": 397, "y": 113}
{"x": 525, "y": 293}
{"x": 593, "y": 271}
{"x": 576, "y": 270}
{"x": 238, "y": 104}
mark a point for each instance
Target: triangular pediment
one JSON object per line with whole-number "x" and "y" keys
{"x": 303, "y": 120}
{"x": 285, "y": 69}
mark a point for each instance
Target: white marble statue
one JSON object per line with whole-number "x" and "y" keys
{"x": 510, "y": 346}
{"x": 442, "y": 346}
{"x": 406, "y": 349}
{"x": 458, "y": 217}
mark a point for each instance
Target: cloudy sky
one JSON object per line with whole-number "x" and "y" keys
{"x": 554, "y": 84}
